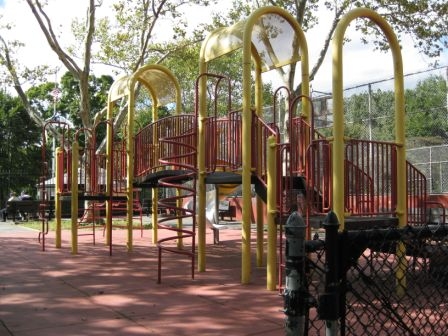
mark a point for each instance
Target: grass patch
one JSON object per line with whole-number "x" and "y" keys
{"x": 66, "y": 224}
{"x": 37, "y": 225}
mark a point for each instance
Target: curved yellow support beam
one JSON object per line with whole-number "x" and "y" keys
{"x": 155, "y": 78}
{"x": 338, "y": 129}
{"x": 145, "y": 76}
{"x": 338, "y": 112}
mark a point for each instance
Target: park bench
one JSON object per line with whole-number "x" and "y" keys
{"x": 226, "y": 210}
{"x": 24, "y": 208}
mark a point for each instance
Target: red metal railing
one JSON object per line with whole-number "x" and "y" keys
{"x": 261, "y": 131}
{"x": 318, "y": 177}
{"x": 417, "y": 196}
{"x": 223, "y": 143}
{"x": 370, "y": 177}
{"x": 149, "y": 150}
{"x": 119, "y": 173}
{"x": 370, "y": 180}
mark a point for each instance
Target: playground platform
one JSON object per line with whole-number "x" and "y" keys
{"x": 53, "y": 292}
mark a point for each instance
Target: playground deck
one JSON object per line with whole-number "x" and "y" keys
{"x": 56, "y": 293}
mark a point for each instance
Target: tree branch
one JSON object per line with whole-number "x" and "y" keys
{"x": 47, "y": 29}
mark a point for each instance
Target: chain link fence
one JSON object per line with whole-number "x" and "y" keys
{"x": 385, "y": 282}
{"x": 433, "y": 162}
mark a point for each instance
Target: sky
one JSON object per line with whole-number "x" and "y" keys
{"x": 361, "y": 64}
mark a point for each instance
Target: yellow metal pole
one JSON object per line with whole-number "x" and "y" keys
{"x": 57, "y": 196}
{"x": 154, "y": 215}
{"x": 247, "y": 118}
{"x": 201, "y": 188}
{"x": 260, "y": 232}
{"x": 74, "y": 205}
{"x": 155, "y": 190}
{"x": 271, "y": 215}
{"x": 337, "y": 148}
{"x": 259, "y": 206}
{"x": 109, "y": 184}
{"x": 130, "y": 165}
{"x": 109, "y": 139}
{"x": 306, "y": 104}
{"x": 246, "y": 155}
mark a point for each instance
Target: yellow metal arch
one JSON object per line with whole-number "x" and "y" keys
{"x": 338, "y": 112}
{"x": 163, "y": 88}
{"x": 119, "y": 88}
{"x": 269, "y": 38}
{"x": 338, "y": 128}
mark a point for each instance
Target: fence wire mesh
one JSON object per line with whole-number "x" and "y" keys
{"x": 391, "y": 282}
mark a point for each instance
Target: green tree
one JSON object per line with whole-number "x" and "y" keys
{"x": 19, "y": 148}
{"x": 371, "y": 114}
{"x": 426, "y": 112}
{"x": 98, "y": 88}
{"x": 66, "y": 104}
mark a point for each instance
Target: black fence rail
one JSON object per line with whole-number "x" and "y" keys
{"x": 373, "y": 282}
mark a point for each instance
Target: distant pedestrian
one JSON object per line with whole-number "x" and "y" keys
{"x": 12, "y": 197}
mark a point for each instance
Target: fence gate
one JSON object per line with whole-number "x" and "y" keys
{"x": 373, "y": 282}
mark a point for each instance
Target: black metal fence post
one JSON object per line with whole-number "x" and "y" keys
{"x": 328, "y": 308}
{"x": 295, "y": 298}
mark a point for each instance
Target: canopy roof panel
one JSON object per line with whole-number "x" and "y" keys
{"x": 273, "y": 38}
{"x": 160, "y": 83}
{"x": 119, "y": 88}
{"x": 156, "y": 79}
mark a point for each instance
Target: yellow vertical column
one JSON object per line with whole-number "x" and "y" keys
{"x": 271, "y": 275}
{"x": 74, "y": 207}
{"x": 59, "y": 177}
{"x": 201, "y": 190}
{"x": 155, "y": 149}
{"x": 259, "y": 205}
{"x": 109, "y": 184}
{"x": 154, "y": 215}
{"x": 337, "y": 148}
{"x": 155, "y": 190}
{"x": 110, "y": 139}
{"x": 130, "y": 165}
{"x": 247, "y": 162}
